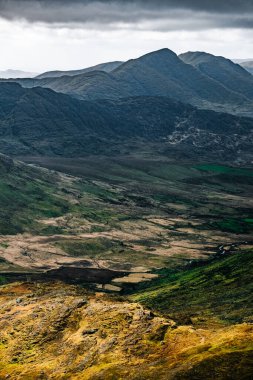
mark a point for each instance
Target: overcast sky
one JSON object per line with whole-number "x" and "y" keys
{"x": 40, "y": 35}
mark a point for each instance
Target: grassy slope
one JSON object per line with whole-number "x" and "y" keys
{"x": 27, "y": 194}
{"x": 215, "y": 297}
{"x": 58, "y": 331}
{"x": 218, "y": 291}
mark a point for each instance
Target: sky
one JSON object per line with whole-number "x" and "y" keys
{"x": 41, "y": 35}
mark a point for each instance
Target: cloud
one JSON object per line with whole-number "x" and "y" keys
{"x": 160, "y": 15}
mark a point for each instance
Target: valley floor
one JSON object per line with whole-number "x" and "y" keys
{"x": 127, "y": 267}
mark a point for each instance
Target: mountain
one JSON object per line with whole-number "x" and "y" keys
{"x": 222, "y": 70}
{"x": 160, "y": 73}
{"x": 107, "y": 67}
{"x": 6, "y": 74}
{"x": 40, "y": 121}
{"x": 248, "y": 65}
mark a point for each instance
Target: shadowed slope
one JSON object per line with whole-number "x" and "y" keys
{"x": 42, "y": 122}
{"x": 224, "y": 71}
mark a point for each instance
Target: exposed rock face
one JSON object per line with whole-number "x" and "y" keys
{"x": 64, "y": 332}
{"x": 56, "y": 332}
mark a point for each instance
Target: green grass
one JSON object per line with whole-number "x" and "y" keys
{"x": 120, "y": 254}
{"x": 22, "y": 202}
{"x": 220, "y": 290}
{"x": 87, "y": 247}
{"x": 2, "y": 280}
{"x": 4, "y": 245}
{"x": 225, "y": 170}
{"x": 230, "y": 364}
{"x": 248, "y": 220}
{"x": 240, "y": 226}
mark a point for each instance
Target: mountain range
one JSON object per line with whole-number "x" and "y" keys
{"x": 215, "y": 83}
{"x": 160, "y": 100}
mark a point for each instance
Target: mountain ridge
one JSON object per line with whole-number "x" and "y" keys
{"x": 107, "y": 67}
{"x": 40, "y": 121}
{"x": 159, "y": 73}
{"x": 223, "y": 70}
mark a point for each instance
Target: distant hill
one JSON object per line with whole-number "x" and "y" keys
{"x": 160, "y": 73}
{"x": 222, "y": 70}
{"x": 40, "y": 121}
{"x": 6, "y": 74}
{"x": 248, "y": 65}
{"x": 107, "y": 67}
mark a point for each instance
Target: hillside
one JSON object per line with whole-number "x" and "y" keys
{"x": 42, "y": 122}
{"x": 224, "y": 71}
{"x": 219, "y": 291}
{"x": 59, "y": 331}
{"x": 107, "y": 67}
{"x": 28, "y": 193}
{"x": 205, "y": 296}
{"x": 160, "y": 73}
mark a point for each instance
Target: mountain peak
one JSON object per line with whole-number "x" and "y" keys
{"x": 222, "y": 70}
{"x": 164, "y": 53}
{"x": 159, "y": 59}
{"x": 199, "y": 57}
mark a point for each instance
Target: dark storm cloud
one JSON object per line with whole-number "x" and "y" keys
{"x": 143, "y": 14}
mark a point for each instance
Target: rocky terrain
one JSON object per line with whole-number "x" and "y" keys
{"x": 57, "y": 331}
